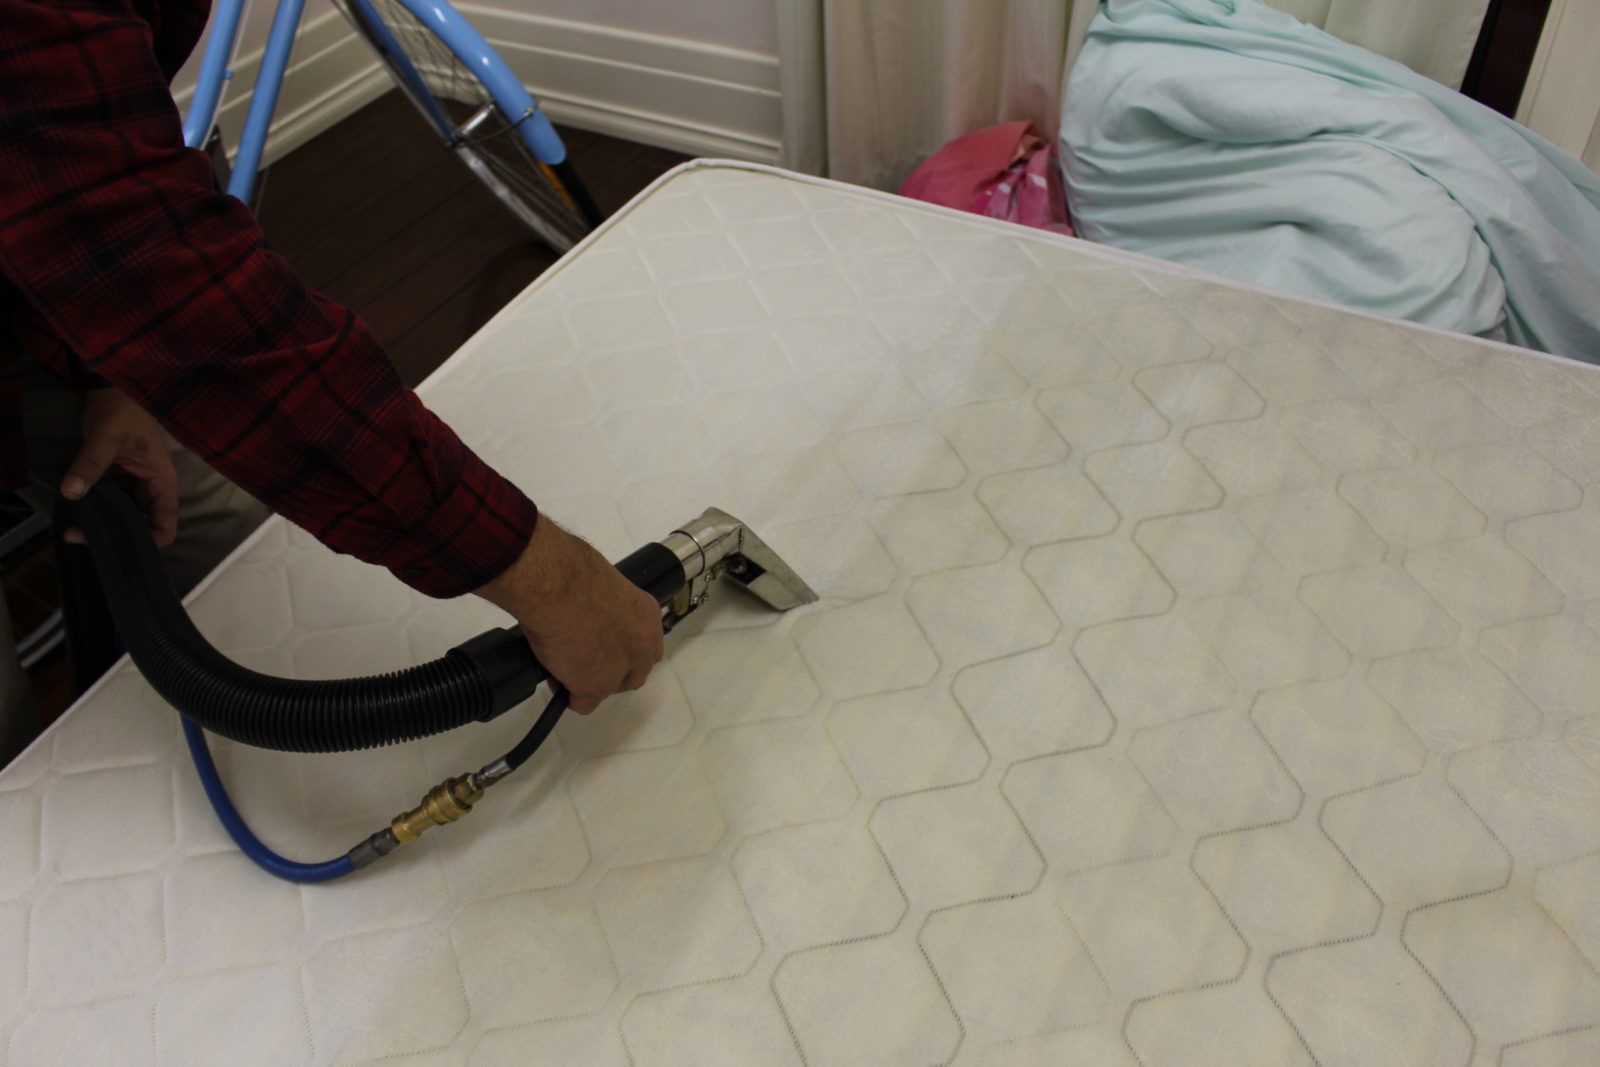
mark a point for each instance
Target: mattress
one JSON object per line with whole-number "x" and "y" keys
{"x": 1200, "y": 676}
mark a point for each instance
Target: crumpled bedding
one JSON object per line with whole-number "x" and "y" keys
{"x": 1231, "y": 137}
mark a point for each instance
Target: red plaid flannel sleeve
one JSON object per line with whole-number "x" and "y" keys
{"x": 116, "y": 240}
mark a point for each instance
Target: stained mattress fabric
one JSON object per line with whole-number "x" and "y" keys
{"x": 1228, "y": 136}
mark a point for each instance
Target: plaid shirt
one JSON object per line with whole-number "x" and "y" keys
{"x": 119, "y": 260}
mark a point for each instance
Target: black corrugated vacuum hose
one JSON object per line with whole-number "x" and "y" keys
{"x": 473, "y": 682}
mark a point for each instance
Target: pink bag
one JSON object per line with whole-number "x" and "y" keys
{"x": 1005, "y": 172}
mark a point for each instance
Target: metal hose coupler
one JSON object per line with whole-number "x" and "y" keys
{"x": 445, "y": 803}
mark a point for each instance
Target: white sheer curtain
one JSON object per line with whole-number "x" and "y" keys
{"x": 1432, "y": 37}
{"x": 872, "y": 87}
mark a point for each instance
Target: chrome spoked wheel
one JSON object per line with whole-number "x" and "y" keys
{"x": 550, "y": 200}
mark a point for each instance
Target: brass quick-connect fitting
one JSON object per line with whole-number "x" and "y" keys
{"x": 445, "y": 803}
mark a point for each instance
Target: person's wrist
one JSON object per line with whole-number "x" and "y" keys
{"x": 537, "y": 577}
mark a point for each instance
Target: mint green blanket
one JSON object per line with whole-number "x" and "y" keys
{"x": 1232, "y": 137}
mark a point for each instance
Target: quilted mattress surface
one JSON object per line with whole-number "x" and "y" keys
{"x": 1201, "y": 677}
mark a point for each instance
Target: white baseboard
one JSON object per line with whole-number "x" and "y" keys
{"x": 332, "y": 74}
{"x": 701, "y": 99}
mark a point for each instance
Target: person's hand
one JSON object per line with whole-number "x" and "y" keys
{"x": 595, "y": 632}
{"x": 119, "y": 433}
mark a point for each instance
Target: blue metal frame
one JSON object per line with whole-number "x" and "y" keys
{"x": 257, "y": 120}
{"x": 213, "y": 72}
{"x": 510, "y": 96}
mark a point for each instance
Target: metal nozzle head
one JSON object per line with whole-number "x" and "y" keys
{"x": 763, "y": 572}
{"x": 717, "y": 544}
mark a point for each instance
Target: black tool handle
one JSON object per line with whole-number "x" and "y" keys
{"x": 509, "y": 666}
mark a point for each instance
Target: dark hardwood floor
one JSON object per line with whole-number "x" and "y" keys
{"x": 377, "y": 214}
{"x": 381, "y": 217}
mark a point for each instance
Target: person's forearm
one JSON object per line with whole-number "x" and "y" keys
{"x": 115, "y": 236}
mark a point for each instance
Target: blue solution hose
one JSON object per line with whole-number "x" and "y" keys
{"x": 248, "y": 842}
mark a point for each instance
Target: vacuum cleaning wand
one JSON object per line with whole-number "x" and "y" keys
{"x": 678, "y": 571}
{"x": 713, "y": 546}
{"x": 474, "y": 682}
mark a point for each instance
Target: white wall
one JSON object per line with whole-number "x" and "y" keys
{"x": 1562, "y": 100}
{"x": 747, "y": 25}
{"x": 699, "y": 76}
{"x": 252, "y": 38}
{"x": 331, "y": 75}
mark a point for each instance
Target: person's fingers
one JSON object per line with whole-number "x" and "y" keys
{"x": 163, "y": 506}
{"x": 655, "y": 638}
{"x": 93, "y": 460}
{"x": 635, "y": 679}
{"x": 74, "y": 536}
{"x": 582, "y": 703}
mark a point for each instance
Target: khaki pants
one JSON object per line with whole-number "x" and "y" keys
{"x": 214, "y": 515}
